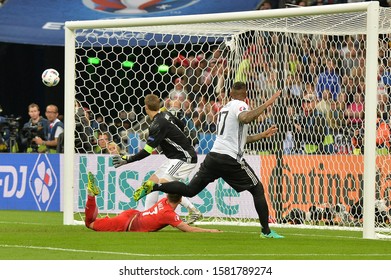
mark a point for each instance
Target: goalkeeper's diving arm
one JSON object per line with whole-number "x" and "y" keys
{"x": 140, "y": 155}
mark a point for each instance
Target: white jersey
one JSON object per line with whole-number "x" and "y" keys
{"x": 231, "y": 133}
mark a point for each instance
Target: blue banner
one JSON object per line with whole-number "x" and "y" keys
{"x": 30, "y": 182}
{"x": 41, "y": 22}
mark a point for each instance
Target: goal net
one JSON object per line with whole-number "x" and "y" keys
{"x": 331, "y": 153}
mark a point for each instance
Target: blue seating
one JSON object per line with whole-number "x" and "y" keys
{"x": 133, "y": 143}
{"x": 206, "y": 141}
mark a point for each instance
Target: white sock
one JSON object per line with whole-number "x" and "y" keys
{"x": 187, "y": 204}
{"x": 151, "y": 199}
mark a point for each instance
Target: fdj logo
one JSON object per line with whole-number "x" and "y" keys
{"x": 43, "y": 182}
{"x": 129, "y": 7}
{"x": 9, "y": 180}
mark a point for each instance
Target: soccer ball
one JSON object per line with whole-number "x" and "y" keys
{"x": 50, "y": 77}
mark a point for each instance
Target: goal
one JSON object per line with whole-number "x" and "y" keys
{"x": 329, "y": 155}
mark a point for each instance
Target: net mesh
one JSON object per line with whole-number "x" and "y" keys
{"x": 312, "y": 170}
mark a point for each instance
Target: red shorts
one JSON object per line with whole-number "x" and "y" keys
{"x": 117, "y": 223}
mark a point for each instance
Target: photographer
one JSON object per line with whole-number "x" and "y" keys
{"x": 37, "y": 126}
{"x": 55, "y": 128}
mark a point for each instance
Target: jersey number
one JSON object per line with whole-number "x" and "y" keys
{"x": 222, "y": 119}
{"x": 152, "y": 212}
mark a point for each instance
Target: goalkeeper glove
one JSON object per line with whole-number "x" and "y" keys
{"x": 121, "y": 160}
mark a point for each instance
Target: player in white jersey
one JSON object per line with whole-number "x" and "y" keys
{"x": 225, "y": 160}
{"x": 231, "y": 134}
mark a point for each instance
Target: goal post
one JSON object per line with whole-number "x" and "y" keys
{"x": 370, "y": 122}
{"x": 110, "y": 65}
{"x": 69, "y": 125}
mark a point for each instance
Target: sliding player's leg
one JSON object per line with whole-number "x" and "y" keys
{"x": 153, "y": 197}
{"x": 200, "y": 180}
{"x": 91, "y": 211}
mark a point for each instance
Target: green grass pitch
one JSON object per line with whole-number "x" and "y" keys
{"x": 27, "y": 235}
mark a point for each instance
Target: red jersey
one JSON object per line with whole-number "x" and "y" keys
{"x": 160, "y": 215}
{"x": 155, "y": 218}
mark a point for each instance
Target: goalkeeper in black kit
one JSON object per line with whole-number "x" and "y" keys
{"x": 225, "y": 159}
{"x": 166, "y": 132}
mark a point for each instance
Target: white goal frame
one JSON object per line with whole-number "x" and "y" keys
{"x": 372, "y": 10}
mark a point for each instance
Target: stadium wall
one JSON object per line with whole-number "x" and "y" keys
{"x": 35, "y": 182}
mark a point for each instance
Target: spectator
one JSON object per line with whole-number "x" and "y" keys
{"x": 195, "y": 76}
{"x": 328, "y": 79}
{"x": 338, "y": 127}
{"x": 36, "y": 126}
{"x": 119, "y": 126}
{"x": 349, "y": 86}
{"x": 209, "y": 123}
{"x": 294, "y": 64}
{"x": 92, "y": 120}
{"x": 324, "y": 105}
{"x": 251, "y": 58}
{"x": 265, "y": 5}
{"x": 359, "y": 71}
{"x": 84, "y": 134}
{"x": 179, "y": 93}
{"x": 113, "y": 148}
{"x": 338, "y": 109}
{"x": 302, "y": 3}
{"x": 179, "y": 65}
{"x": 210, "y": 79}
{"x": 222, "y": 77}
{"x": 383, "y": 135}
{"x": 293, "y": 85}
{"x": 266, "y": 146}
{"x": 99, "y": 124}
{"x": 383, "y": 106}
{"x": 354, "y": 112}
{"x": 56, "y": 127}
{"x": 310, "y": 128}
{"x": 289, "y": 141}
{"x": 349, "y": 55}
{"x": 384, "y": 81}
{"x": 189, "y": 129}
{"x": 103, "y": 140}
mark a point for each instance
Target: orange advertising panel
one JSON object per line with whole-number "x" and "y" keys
{"x": 383, "y": 178}
{"x": 303, "y": 181}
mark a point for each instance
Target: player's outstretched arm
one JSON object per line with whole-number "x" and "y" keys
{"x": 186, "y": 228}
{"x": 265, "y": 134}
{"x": 125, "y": 159}
{"x": 120, "y": 160}
{"x": 249, "y": 116}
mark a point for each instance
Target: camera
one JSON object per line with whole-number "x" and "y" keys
{"x": 28, "y": 133}
{"x": 9, "y": 131}
{"x": 10, "y": 123}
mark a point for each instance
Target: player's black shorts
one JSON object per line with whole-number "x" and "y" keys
{"x": 240, "y": 176}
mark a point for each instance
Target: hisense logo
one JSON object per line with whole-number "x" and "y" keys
{"x": 43, "y": 182}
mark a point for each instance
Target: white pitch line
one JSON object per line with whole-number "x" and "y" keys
{"x": 238, "y": 232}
{"x": 185, "y": 255}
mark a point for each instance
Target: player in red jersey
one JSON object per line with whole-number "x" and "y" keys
{"x": 155, "y": 218}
